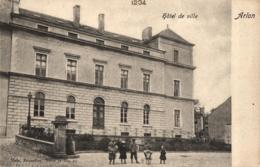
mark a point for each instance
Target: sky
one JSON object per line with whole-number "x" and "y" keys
{"x": 210, "y": 32}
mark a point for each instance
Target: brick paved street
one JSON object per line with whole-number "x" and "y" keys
{"x": 13, "y": 155}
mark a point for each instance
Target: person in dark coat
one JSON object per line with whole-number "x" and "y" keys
{"x": 122, "y": 151}
{"x": 163, "y": 154}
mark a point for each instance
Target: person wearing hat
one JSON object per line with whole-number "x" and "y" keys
{"x": 134, "y": 148}
{"x": 122, "y": 151}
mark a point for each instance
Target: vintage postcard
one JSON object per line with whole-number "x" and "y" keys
{"x": 129, "y": 83}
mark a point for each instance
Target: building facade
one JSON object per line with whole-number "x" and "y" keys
{"x": 104, "y": 83}
{"x": 219, "y": 122}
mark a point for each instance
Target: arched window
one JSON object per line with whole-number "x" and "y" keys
{"x": 98, "y": 113}
{"x": 124, "y": 107}
{"x": 70, "y": 109}
{"x": 39, "y": 105}
{"x": 146, "y": 113}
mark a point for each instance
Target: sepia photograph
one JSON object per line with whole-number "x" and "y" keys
{"x": 126, "y": 83}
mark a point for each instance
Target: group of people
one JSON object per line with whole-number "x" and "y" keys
{"x": 113, "y": 148}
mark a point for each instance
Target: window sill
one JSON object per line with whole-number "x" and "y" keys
{"x": 39, "y": 118}
{"x": 124, "y": 124}
{"x": 175, "y": 127}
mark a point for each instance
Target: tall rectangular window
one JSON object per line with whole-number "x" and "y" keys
{"x": 40, "y": 65}
{"x": 124, "y": 79}
{"x": 99, "y": 74}
{"x": 177, "y": 118}
{"x": 39, "y": 104}
{"x": 71, "y": 70}
{"x": 176, "y": 88}
{"x": 175, "y": 56}
{"x": 146, "y": 82}
{"x": 70, "y": 109}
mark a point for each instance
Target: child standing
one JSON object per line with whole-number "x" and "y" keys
{"x": 148, "y": 154}
{"x": 163, "y": 154}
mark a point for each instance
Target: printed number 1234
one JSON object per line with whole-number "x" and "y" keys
{"x": 138, "y": 2}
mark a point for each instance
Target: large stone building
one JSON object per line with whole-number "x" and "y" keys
{"x": 104, "y": 83}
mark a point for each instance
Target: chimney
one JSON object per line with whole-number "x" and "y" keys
{"x": 147, "y": 33}
{"x": 76, "y": 15}
{"x": 15, "y": 6}
{"x": 101, "y": 22}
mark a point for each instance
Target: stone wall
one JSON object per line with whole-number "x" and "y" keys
{"x": 34, "y": 144}
{"x": 56, "y": 92}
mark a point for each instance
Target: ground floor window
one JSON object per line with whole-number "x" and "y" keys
{"x": 177, "y": 118}
{"x": 123, "y": 115}
{"x": 147, "y": 134}
{"x": 70, "y": 109}
{"x": 98, "y": 113}
{"x": 39, "y": 104}
{"x": 124, "y": 133}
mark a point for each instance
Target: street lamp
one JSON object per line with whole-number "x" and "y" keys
{"x": 29, "y": 111}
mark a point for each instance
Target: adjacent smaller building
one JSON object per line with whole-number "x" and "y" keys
{"x": 219, "y": 122}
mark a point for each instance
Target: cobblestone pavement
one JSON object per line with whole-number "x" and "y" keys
{"x": 13, "y": 155}
{"x": 174, "y": 159}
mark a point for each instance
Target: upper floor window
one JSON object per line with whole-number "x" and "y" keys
{"x": 124, "y": 47}
{"x": 42, "y": 27}
{"x": 70, "y": 109}
{"x": 98, "y": 113}
{"x": 40, "y": 65}
{"x": 146, "y": 52}
{"x": 71, "y": 70}
{"x": 177, "y": 118}
{"x": 99, "y": 41}
{"x": 146, "y": 82}
{"x": 146, "y": 114}
{"x": 176, "y": 88}
{"x": 99, "y": 74}
{"x": 123, "y": 116}
{"x": 39, "y": 104}
{"x": 124, "y": 79}
{"x": 72, "y": 35}
{"x": 175, "y": 56}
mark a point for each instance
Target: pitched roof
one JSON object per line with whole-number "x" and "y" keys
{"x": 171, "y": 35}
{"x": 84, "y": 28}
{"x": 167, "y": 33}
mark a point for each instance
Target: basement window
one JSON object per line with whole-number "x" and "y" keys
{"x": 99, "y": 41}
{"x": 146, "y": 52}
{"x": 147, "y": 134}
{"x": 72, "y": 35}
{"x": 124, "y": 47}
{"x": 42, "y": 27}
